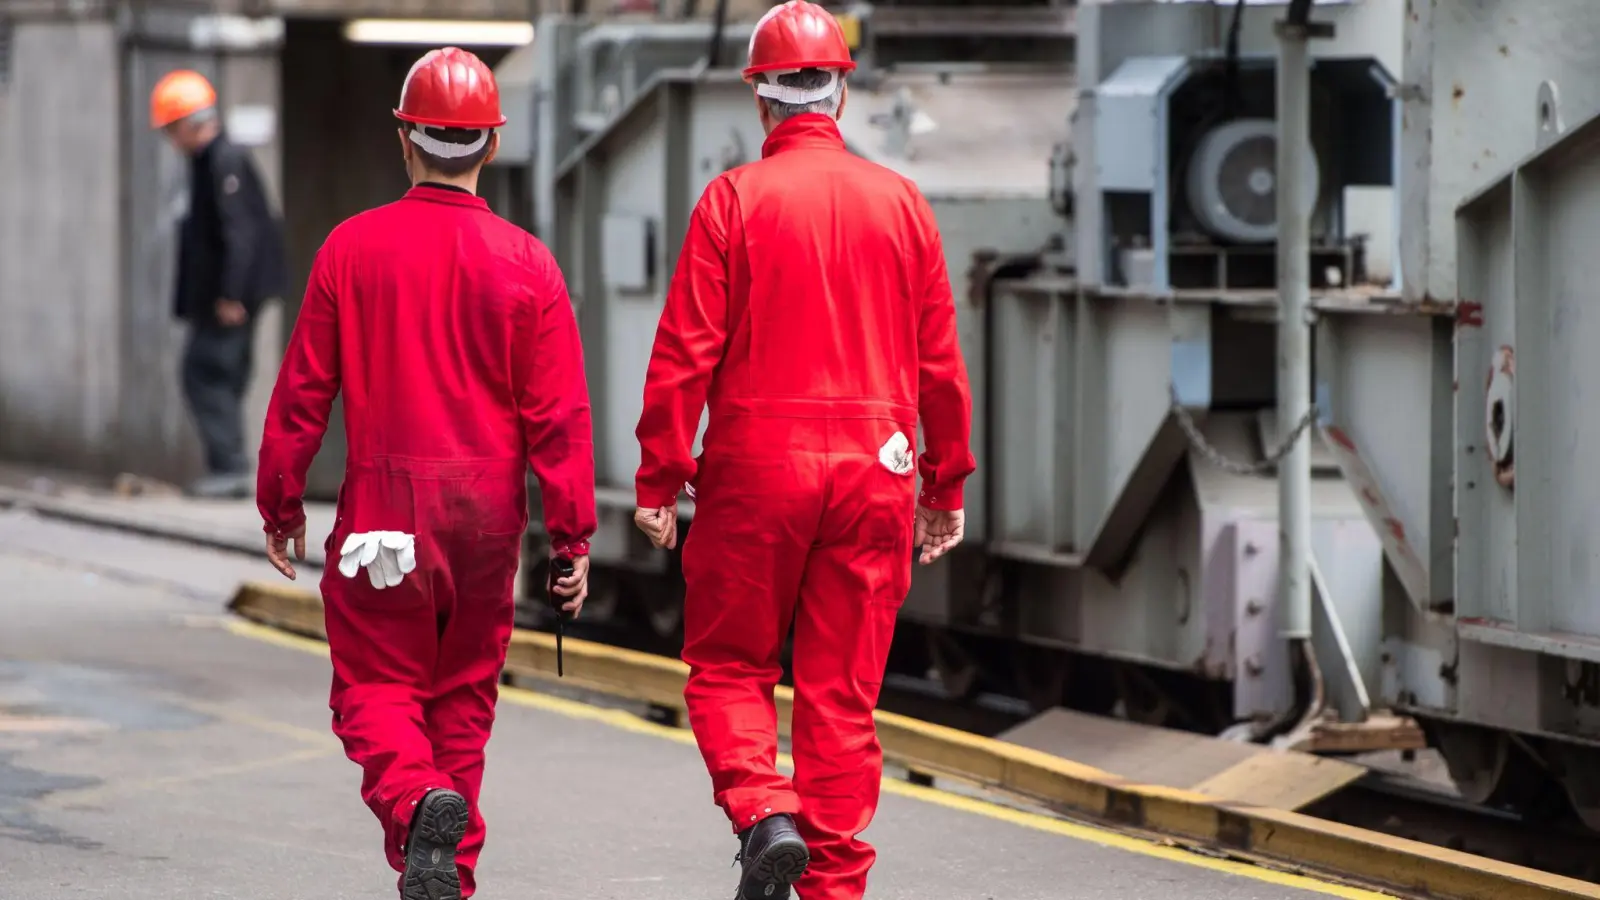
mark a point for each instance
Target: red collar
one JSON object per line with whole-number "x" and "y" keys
{"x": 446, "y": 195}
{"x": 807, "y": 131}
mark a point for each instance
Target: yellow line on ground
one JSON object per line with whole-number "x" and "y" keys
{"x": 626, "y": 721}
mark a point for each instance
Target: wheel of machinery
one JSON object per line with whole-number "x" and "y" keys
{"x": 1492, "y": 768}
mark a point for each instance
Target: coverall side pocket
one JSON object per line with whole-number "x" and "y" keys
{"x": 886, "y": 537}
{"x": 490, "y": 571}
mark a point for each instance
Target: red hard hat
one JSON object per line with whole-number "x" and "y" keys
{"x": 450, "y": 88}
{"x": 798, "y": 35}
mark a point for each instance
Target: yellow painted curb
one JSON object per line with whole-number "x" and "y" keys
{"x": 1064, "y": 785}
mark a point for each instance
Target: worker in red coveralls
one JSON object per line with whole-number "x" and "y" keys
{"x": 812, "y": 310}
{"x": 451, "y": 336}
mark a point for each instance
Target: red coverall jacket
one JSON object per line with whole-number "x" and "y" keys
{"x": 451, "y": 337}
{"x": 812, "y": 310}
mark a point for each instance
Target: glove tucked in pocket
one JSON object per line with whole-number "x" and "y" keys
{"x": 895, "y": 454}
{"x": 388, "y": 557}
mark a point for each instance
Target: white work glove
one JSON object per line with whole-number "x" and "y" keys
{"x": 388, "y": 557}
{"x": 895, "y": 455}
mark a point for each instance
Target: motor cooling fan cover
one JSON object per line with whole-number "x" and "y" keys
{"x": 1233, "y": 178}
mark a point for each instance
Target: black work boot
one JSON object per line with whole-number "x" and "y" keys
{"x": 437, "y": 827}
{"x": 773, "y": 856}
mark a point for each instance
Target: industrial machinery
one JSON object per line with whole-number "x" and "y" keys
{"x": 1105, "y": 177}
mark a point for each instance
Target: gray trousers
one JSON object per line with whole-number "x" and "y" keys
{"x": 215, "y": 374}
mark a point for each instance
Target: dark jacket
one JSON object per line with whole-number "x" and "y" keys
{"x": 230, "y": 245}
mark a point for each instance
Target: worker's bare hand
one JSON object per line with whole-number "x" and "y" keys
{"x": 938, "y": 532}
{"x": 278, "y": 550}
{"x": 575, "y": 585}
{"x": 660, "y": 525}
{"x": 231, "y": 313}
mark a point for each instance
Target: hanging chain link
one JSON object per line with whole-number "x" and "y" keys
{"x": 1222, "y": 462}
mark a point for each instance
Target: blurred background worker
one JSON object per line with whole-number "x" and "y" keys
{"x": 812, "y": 308}
{"x": 230, "y": 261}
{"x": 450, "y": 333}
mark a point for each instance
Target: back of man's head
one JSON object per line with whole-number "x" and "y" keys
{"x": 450, "y": 107}
{"x": 450, "y": 152}
{"x": 803, "y": 82}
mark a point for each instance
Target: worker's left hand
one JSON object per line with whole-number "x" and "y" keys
{"x": 231, "y": 313}
{"x": 660, "y": 525}
{"x": 938, "y": 531}
{"x": 575, "y": 586}
{"x": 278, "y": 550}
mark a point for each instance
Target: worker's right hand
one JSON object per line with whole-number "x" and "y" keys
{"x": 278, "y": 550}
{"x": 660, "y": 525}
{"x": 575, "y": 585}
{"x": 939, "y": 531}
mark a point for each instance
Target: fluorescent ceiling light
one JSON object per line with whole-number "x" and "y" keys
{"x": 438, "y": 32}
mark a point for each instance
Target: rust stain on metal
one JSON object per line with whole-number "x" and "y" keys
{"x": 1342, "y": 439}
{"x": 1469, "y": 314}
{"x": 1456, "y": 93}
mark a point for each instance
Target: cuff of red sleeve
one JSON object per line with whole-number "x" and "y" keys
{"x": 284, "y": 529}
{"x": 943, "y": 497}
{"x": 569, "y": 548}
{"x": 655, "y": 496}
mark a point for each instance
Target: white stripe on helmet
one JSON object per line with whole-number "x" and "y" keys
{"x": 796, "y": 96}
{"x": 444, "y": 150}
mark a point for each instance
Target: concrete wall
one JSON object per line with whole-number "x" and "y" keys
{"x": 89, "y": 350}
{"x": 60, "y": 256}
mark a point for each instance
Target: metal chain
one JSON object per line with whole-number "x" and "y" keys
{"x": 1215, "y": 456}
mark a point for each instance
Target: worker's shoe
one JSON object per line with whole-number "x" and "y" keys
{"x": 436, "y": 829}
{"x": 224, "y": 486}
{"x": 772, "y": 856}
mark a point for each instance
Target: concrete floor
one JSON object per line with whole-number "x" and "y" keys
{"x": 147, "y": 750}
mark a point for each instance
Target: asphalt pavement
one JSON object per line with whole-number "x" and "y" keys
{"x": 153, "y": 747}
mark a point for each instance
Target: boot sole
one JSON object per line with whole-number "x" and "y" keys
{"x": 781, "y": 864}
{"x": 431, "y": 859}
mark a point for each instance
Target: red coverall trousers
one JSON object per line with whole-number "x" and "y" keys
{"x": 817, "y": 534}
{"x": 416, "y": 667}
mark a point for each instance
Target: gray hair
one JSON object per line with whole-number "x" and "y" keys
{"x": 805, "y": 80}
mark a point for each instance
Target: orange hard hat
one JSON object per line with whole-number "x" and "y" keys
{"x": 179, "y": 95}
{"x": 450, "y": 88}
{"x": 797, "y": 35}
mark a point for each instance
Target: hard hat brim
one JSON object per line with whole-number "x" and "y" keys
{"x": 844, "y": 66}
{"x": 448, "y": 123}
{"x": 159, "y": 122}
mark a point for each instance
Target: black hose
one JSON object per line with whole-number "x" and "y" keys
{"x": 1230, "y": 76}
{"x": 714, "y": 58}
